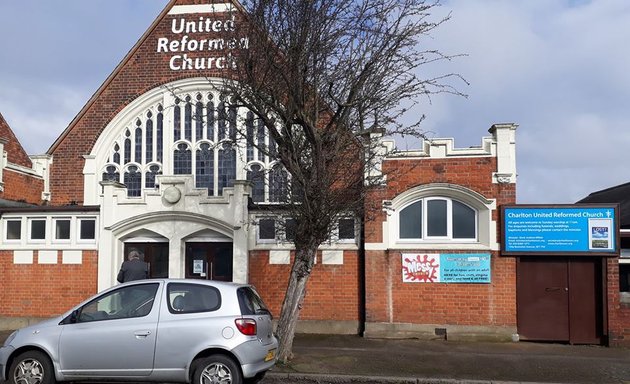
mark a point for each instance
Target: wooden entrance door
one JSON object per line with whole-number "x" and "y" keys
{"x": 560, "y": 299}
{"x": 542, "y": 290}
{"x": 211, "y": 261}
{"x": 156, "y": 254}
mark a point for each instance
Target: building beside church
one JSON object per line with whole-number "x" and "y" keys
{"x": 146, "y": 164}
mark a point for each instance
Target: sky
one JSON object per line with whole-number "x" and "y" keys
{"x": 560, "y": 69}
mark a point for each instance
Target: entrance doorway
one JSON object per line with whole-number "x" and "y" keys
{"x": 211, "y": 261}
{"x": 560, "y": 299}
{"x": 156, "y": 254}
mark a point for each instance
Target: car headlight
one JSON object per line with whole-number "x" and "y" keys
{"x": 10, "y": 338}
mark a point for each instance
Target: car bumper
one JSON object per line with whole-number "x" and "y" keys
{"x": 5, "y": 352}
{"x": 256, "y": 357}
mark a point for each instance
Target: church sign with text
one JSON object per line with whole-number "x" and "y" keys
{"x": 560, "y": 229}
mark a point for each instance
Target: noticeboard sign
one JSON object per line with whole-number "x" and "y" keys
{"x": 471, "y": 268}
{"x": 560, "y": 229}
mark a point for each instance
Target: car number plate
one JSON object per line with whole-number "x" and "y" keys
{"x": 270, "y": 355}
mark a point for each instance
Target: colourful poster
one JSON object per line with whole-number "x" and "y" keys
{"x": 446, "y": 268}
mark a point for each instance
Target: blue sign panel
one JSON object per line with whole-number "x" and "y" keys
{"x": 465, "y": 268}
{"x": 573, "y": 229}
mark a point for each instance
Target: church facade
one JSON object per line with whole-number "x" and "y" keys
{"x": 148, "y": 164}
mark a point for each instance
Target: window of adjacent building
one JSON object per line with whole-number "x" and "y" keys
{"x": 38, "y": 229}
{"x": 62, "y": 229}
{"x": 87, "y": 229}
{"x": 437, "y": 218}
{"x": 14, "y": 229}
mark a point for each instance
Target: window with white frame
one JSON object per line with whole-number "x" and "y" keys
{"x": 49, "y": 229}
{"x": 62, "y": 228}
{"x": 13, "y": 229}
{"x": 37, "y": 229}
{"x": 346, "y": 230}
{"x": 87, "y": 229}
{"x": 437, "y": 218}
{"x": 283, "y": 229}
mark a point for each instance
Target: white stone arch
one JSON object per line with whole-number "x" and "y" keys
{"x": 163, "y": 96}
{"x": 486, "y": 227}
{"x": 174, "y": 227}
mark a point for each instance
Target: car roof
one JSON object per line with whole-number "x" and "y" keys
{"x": 214, "y": 283}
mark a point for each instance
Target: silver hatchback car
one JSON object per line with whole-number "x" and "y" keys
{"x": 167, "y": 330}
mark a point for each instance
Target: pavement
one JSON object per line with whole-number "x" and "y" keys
{"x": 352, "y": 359}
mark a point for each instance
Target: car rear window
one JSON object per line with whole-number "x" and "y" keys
{"x": 251, "y": 303}
{"x": 190, "y": 298}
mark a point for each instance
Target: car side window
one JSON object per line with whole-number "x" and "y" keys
{"x": 126, "y": 302}
{"x": 250, "y": 302}
{"x": 191, "y": 298}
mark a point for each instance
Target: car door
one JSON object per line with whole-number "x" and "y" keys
{"x": 113, "y": 335}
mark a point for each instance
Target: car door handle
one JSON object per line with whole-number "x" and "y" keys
{"x": 141, "y": 334}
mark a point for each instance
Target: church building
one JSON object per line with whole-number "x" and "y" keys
{"x": 146, "y": 164}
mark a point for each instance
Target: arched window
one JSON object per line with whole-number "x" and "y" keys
{"x": 133, "y": 181}
{"x": 437, "y": 218}
{"x": 153, "y": 171}
{"x": 181, "y": 160}
{"x": 111, "y": 174}
{"x": 197, "y": 132}
{"x": 205, "y": 168}
{"x": 227, "y": 166}
{"x": 257, "y": 177}
{"x": 278, "y": 184}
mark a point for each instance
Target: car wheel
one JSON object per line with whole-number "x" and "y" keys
{"x": 256, "y": 379}
{"x": 217, "y": 369}
{"x": 32, "y": 367}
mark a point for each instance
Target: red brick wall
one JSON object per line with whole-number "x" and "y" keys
{"x": 391, "y": 300}
{"x": 388, "y": 299}
{"x": 44, "y": 290}
{"x": 618, "y": 312}
{"x": 332, "y": 292}
{"x": 21, "y": 187}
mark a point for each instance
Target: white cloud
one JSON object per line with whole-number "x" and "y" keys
{"x": 556, "y": 68}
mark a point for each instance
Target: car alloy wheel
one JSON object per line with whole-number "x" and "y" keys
{"x": 31, "y": 367}
{"x": 217, "y": 369}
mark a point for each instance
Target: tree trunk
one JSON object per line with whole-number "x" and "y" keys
{"x": 296, "y": 290}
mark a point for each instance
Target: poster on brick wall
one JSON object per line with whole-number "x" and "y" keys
{"x": 471, "y": 268}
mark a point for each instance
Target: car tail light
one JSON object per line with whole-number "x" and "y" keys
{"x": 246, "y": 326}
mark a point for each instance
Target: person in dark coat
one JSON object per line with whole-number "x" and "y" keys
{"x": 133, "y": 268}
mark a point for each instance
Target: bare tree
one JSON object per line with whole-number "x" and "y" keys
{"x": 323, "y": 77}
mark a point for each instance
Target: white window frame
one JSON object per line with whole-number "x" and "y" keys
{"x": 337, "y": 239}
{"x": 30, "y": 221}
{"x": 486, "y": 225}
{"x": 79, "y": 221}
{"x": 6, "y": 230}
{"x": 449, "y": 222}
{"x": 54, "y": 230}
{"x": 266, "y": 241}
